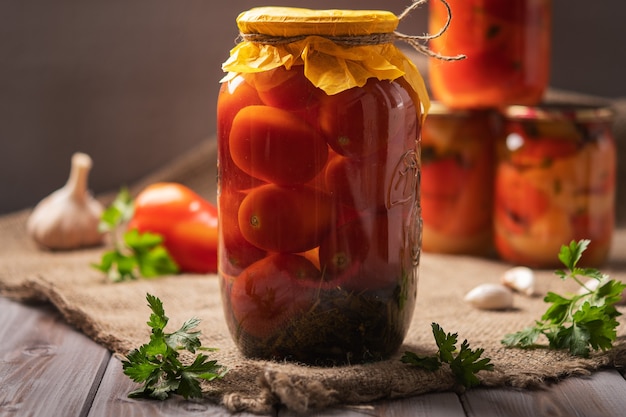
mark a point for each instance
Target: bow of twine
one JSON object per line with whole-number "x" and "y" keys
{"x": 415, "y": 41}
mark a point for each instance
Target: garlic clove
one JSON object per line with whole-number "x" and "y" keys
{"x": 490, "y": 297}
{"x": 590, "y": 285}
{"x": 520, "y": 279}
{"x": 69, "y": 217}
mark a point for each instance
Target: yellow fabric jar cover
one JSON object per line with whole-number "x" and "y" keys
{"x": 330, "y": 65}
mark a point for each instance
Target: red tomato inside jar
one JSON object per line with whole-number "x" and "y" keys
{"x": 507, "y": 44}
{"x": 555, "y": 182}
{"x": 318, "y": 202}
{"x": 458, "y": 156}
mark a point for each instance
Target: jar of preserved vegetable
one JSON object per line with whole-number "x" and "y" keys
{"x": 318, "y": 161}
{"x": 555, "y": 182}
{"x": 507, "y": 44}
{"x": 458, "y": 157}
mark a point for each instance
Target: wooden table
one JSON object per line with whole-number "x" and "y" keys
{"x": 49, "y": 369}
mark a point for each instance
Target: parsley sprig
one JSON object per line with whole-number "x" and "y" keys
{"x": 134, "y": 254}
{"x": 464, "y": 363}
{"x": 582, "y": 321}
{"x": 156, "y": 364}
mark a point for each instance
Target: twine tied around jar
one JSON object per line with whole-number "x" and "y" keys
{"x": 414, "y": 40}
{"x": 371, "y": 39}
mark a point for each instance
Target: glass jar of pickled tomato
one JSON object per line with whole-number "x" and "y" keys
{"x": 458, "y": 157}
{"x": 318, "y": 165}
{"x": 555, "y": 182}
{"x": 507, "y": 44}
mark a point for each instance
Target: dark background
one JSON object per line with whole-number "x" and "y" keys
{"x": 133, "y": 83}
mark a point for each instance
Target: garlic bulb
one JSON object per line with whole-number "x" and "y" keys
{"x": 490, "y": 297}
{"x": 520, "y": 279}
{"x": 69, "y": 217}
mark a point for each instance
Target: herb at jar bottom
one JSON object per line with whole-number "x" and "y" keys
{"x": 340, "y": 327}
{"x": 156, "y": 364}
{"x": 582, "y": 322}
{"x": 464, "y": 363}
{"x": 134, "y": 254}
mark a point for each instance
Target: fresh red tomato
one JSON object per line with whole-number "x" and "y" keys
{"x": 276, "y": 146}
{"x": 187, "y": 223}
{"x": 237, "y": 253}
{"x": 287, "y": 89}
{"x": 271, "y": 292}
{"x": 193, "y": 244}
{"x": 360, "y": 121}
{"x": 285, "y": 219}
{"x": 234, "y": 96}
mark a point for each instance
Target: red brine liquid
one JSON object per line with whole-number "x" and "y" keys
{"x": 320, "y": 219}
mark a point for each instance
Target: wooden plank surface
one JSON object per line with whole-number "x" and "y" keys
{"x": 428, "y": 405}
{"x": 46, "y": 367}
{"x": 49, "y": 369}
{"x": 603, "y": 394}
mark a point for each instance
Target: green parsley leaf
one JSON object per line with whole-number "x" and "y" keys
{"x": 158, "y": 319}
{"x": 599, "y": 323}
{"x": 134, "y": 254}
{"x": 574, "y": 338}
{"x": 445, "y": 342}
{"x": 120, "y": 211}
{"x": 524, "y": 338}
{"x": 430, "y": 363}
{"x": 185, "y": 337}
{"x": 467, "y": 364}
{"x": 464, "y": 364}
{"x": 151, "y": 257}
{"x": 581, "y": 322}
{"x": 559, "y": 309}
{"x": 201, "y": 368}
{"x": 156, "y": 364}
{"x": 609, "y": 291}
{"x": 118, "y": 266}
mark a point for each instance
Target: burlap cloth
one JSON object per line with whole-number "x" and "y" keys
{"x": 115, "y": 316}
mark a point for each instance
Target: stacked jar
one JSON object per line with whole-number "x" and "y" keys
{"x": 458, "y": 151}
{"x": 544, "y": 190}
{"x": 555, "y": 182}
